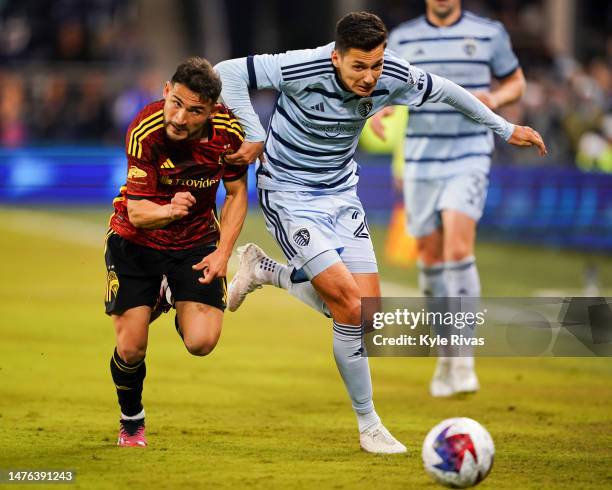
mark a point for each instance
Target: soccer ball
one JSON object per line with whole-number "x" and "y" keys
{"x": 458, "y": 452}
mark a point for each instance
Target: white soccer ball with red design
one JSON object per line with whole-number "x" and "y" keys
{"x": 458, "y": 452}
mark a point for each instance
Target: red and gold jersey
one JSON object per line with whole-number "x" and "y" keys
{"x": 158, "y": 168}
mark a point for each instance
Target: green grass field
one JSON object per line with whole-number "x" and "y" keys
{"x": 267, "y": 409}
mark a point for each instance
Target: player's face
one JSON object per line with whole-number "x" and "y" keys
{"x": 185, "y": 114}
{"x": 359, "y": 70}
{"x": 443, "y": 8}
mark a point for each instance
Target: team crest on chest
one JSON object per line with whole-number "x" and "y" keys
{"x": 365, "y": 106}
{"x": 470, "y": 47}
{"x": 302, "y": 237}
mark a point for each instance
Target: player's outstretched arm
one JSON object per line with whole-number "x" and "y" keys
{"x": 151, "y": 216}
{"x": 233, "y": 214}
{"x": 444, "y": 90}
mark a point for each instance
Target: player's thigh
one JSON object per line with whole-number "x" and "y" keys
{"x": 421, "y": 200}
{"x": 302, "y": 224}
{"x": 338, "y": 288}
{"x": 132, "y": 331}
{"x": 459, "y": 235}
{"x": 200, "y": 326}
{"x": 183, "y": 280}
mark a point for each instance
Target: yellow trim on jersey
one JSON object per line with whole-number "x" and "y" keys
{"x": 230, "y": 122}
{"x": 225, "y": 128}
{"x": 140, "y": 126}
{"x": 142, "y": 137}
{"x": 136, "y": 133}
{"x": 167, "y": 164}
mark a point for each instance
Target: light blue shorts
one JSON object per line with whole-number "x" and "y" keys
{"x": 426, "y": 198}
{"x": 307, "y": 224}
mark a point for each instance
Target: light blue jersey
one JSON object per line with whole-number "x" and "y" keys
{"x": 316, "y": 123}
{"x": 442, "y": 141}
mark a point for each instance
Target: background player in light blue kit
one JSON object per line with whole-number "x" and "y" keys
{"x": 307, "y": 185}
{"x": 448, "y": 155}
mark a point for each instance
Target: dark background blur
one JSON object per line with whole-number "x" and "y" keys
{"x": 76, "y": 72}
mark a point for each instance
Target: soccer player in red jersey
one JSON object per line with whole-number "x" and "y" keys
{"x": 165, "y": 224}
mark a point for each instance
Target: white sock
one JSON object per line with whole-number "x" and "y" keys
{"x": 355, "y": 372}
{"x": 275, "y": 274}
{"x": 462, "y": 281}
{"x": 138, "y": 416}
{"x": 432, "y": 283}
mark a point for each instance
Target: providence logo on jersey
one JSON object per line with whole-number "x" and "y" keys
{"x": 364, "y": 107}
{"x": 302, "y": 237}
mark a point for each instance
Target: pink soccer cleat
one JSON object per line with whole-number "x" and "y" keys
{"x": 132, "y": 434}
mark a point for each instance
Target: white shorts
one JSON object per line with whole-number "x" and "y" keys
{"x": 306, "y": 224}
{"x": 426, "y": 198}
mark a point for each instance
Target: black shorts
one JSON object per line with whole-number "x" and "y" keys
{"x": 134, "y": 274}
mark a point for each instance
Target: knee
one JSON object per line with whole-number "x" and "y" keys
{"x": 428, "y": 255}
{"x": 347, "y": 302}
{"x": 458, "y": 252}
{"x": 200, "y": 347}
{"x": 131, "y": 354}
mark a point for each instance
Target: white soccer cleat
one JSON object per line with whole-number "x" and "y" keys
{"x": 441, "y": 385}
{"x": 377, "y": 439}
{"x": 464, "y": 376}
{"x": 246, "y": 280}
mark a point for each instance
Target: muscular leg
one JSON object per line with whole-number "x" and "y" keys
{"x": 200, "y": 326}
{"x": 127, "y": 364}
{"x": 462, "y": 280}
{"x": 341, "y": 292}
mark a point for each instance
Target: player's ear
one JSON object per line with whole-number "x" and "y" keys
{"x": 335, "y": 58}
{"x": 167, "y": 88}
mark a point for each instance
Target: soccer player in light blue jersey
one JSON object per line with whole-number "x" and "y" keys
{"x": 307, "y": 179}
{"x": 448, "y": 155}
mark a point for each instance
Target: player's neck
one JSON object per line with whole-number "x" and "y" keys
{"x": 205, "y": 133}
{"x": 449, "y": 20}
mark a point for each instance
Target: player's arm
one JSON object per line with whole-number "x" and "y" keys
{"x": 233, "y": 214}
{"x": 238, "y": 76}
{"x": 152, "y": 216}
{"x": 505, "y": 67}
{"x": 443, "y": 90}
{"x": 510, "y": 89}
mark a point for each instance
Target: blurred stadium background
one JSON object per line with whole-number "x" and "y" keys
{"x": 74, "y": 73}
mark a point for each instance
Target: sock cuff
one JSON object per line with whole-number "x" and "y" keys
{"x": 124, "y": 366}
{"x": 430, "y": 270}
{"x": 460, "y": 265}
{"x": 140, "y": 415}
{"x": 353, "y": 331}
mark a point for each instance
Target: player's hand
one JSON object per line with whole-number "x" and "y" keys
{"x": 180, "y": 204}
{"x": 526, "y": 136}
{"x": 212, "y": 266}
{"x": 247, "y": 153}
{"x": 376, "y": 122}
{"x": 488, "y": 99}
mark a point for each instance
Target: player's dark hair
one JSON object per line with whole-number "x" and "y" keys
{"x": 360, "y": 30}
{"x": 198, "y": 75}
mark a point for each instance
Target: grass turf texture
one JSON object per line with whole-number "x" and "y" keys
{"x": 267, "y": 409}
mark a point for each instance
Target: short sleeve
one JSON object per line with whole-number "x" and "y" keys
{"x": 503, "y": 60}
{"x": 141, "y": 179}
{"x": 415, "y": 90}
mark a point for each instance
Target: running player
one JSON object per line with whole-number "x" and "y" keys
{"x": 307, "y": 186}
{"x": 448, "y": 156}
{"x": 165, "y": 224}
